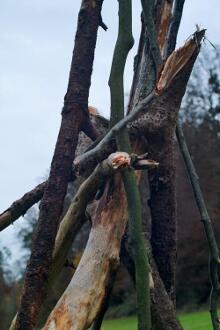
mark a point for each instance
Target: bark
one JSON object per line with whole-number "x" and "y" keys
{"x": 20, "y": 206}
{"x": 74, "y": 114}
{"x": 158, "y": 125}
{"x": 88, "y": 313}
{"x": 162, "y": 181}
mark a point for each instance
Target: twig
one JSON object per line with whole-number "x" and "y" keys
{"x": 212, "y": 244}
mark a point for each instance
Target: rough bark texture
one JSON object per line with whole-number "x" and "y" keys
{"x": 73, "y": 115}
{"x": 158, "y": 125}
{"x": 162, "y": 180}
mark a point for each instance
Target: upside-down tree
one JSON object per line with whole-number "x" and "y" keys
{"x": 112, "y": 164}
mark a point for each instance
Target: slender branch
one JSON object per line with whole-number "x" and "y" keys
{"x": 212, "y": 244}
{"x": 148, "y": 7}
{"x": 93, "y": 153}
{"x": 20, "y": 206}
{"x": 123, "y": 45}
{"x": 174, "y": 26}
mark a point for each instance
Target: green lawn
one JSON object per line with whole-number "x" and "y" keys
{"x": 194, "y": 321}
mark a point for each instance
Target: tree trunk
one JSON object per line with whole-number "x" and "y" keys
{"x": 158, "y": 126}
{"x": 74, "y": 115}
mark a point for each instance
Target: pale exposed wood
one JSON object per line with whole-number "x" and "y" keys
{"x": 178, "y": 59}
{"x": 74, "y": 218}
{"x": 82, "y": 299}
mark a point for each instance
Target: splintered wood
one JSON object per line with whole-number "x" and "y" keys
{"x": 178, "y": 60}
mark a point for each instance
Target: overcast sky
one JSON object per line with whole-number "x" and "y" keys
{"x": 36, "y": 44}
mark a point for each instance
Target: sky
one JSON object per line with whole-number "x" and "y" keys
{"x": 37, "y": 39}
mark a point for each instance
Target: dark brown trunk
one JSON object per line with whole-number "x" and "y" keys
{"x": 74, "y": 114}
{"x": 162, "y": 180}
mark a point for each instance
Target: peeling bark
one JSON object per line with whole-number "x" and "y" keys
{"x": 108, "y": 227}
{"x": 81, "y": 301}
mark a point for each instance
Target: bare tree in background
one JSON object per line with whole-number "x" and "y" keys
{"x": 113, "y": 167}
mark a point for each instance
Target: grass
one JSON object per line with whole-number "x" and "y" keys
{"x": 193, "y": 321}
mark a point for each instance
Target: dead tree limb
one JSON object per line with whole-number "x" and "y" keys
{"x": 83, "y": 298}
{"x": 20, "y": 206}
{"x": 214, "y": 260}
{"x": 75, "y": 215}
{"x": 74, "y": 116}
